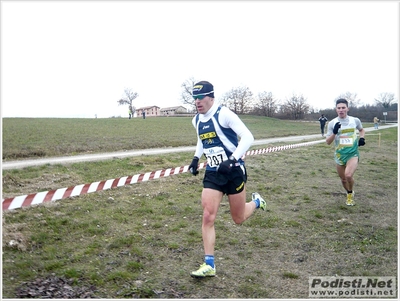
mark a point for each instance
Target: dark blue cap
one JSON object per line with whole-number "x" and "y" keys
{"x": 203, "y": 88}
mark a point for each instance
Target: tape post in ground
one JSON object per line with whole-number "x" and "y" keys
{"x": 64, "y": 193}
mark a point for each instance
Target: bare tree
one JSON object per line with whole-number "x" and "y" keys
{"x": 351, "y": 98}
{"x": 239, "y": 99}
{"x": 385, "y": 100}
{"x": 186, "y": 94}
{"x": 130, "y": 96}
{"x": 296, "y": 107}
{"x": 266, "y": 105}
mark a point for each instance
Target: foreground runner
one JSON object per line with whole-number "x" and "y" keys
{"x": 218, "y": 129}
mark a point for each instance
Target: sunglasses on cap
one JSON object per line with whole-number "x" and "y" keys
{"x": 201, "y": 96}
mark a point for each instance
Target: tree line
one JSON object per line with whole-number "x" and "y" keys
{"x": 295, "y": 107}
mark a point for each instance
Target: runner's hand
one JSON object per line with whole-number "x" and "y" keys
{"x": 361, "y": 142}
{"x": 226, "y": 166}
{"x": 193, "y": 166}
{"x": 336, "y": 128}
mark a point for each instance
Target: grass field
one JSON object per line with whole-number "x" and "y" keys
{"x": 46, "y": 137}
{"x": 143, "y": 240}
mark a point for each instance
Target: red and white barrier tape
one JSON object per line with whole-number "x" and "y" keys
{"x": 63, "y": 193}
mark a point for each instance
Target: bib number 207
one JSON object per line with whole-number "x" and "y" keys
{"x": 214, "y": 160}
{"x": 215, "y": 156}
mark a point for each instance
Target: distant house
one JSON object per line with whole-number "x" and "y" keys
{"x": 173, "y": 111}
{"x": 149, "y": 111}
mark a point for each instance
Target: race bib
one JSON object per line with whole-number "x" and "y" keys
{"x": 215, "y": 156}
{"x": 345, "y": 140}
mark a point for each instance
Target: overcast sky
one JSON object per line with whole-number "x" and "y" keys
{"x": 75, "y": 58}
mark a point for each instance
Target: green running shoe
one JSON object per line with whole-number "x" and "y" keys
{"x": 350, "y": 199}
{"x": 205, "y": 270}
{"x": 256, "y": 195}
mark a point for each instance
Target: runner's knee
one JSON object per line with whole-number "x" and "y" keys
{"x": 238, "y": 219}
{"x": 208, "y": 218}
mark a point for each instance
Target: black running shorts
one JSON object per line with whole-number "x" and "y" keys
{"x": 231, "y": 183}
